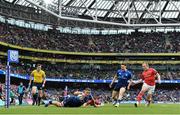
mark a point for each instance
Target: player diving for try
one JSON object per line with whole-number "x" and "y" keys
{"x": 148, "y": 78}
{"x": 124, "y": 77}
{"x": 79, "y": 99}
{"x": 38, "y": 84}
{"x": 89, "y": 99}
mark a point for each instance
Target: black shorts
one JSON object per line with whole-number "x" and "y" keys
{"x": 72, "y": 102}
{"x": 38, "y": 85}
{"x": 117, "y": 87}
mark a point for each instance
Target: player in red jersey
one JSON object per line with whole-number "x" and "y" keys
{"x": 148, "y": 78}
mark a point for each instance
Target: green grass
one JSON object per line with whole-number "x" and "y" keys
{"x": 107, "y": 109}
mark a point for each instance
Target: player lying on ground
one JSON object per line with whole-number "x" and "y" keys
{"x": 79, "y": 99}
{"x": 148, "y": 76}
{"x": 89, "y": 99}
{"x": 123, "y": 75}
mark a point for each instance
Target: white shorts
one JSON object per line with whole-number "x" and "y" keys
{"x": 149, "y": 88}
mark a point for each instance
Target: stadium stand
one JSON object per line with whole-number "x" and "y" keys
{"x": 133, "y": 43}
{"x": 75, "y": 71}
{"x": 83, "y": 44}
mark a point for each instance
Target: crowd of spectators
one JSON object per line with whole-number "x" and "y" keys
{"x": 53, "y": 40}
{"x": 76, "y": 71}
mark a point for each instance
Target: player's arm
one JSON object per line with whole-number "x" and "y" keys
{"x": 130, "y": 83}
{"x": 44, "y": 79}
{"x": 24, "y": 88}
{"x": 95, "y": 105}
{"x": 114, "y": 79}
{"x": 88, "y": 103}
{"x": 157, "y": 75}
{"x": 137, "y": 82}
{"x": 159, "y": 78}
{"x": 140, "y": 80}
{"x": 77, "y": 93}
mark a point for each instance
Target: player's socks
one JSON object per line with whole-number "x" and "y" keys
{"x": 33, "y": 102}
{"x": 50, "y": 102}
{"x": 139, "y": 97}
{"x": 137, "y": 104}
{"x": 148, "y": 103}
{"x": 119, "y": 101}
{"x": 34, "y": 99}
{"x": 46, "y": 104}
{"x": 39, "y": 101}
{"x": 114, "y": 101}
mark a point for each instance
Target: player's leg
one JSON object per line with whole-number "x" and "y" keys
{"x": 1, "y": 96}
{"x": 55, "y": 103}
{"x": 34, "y": 94}
{"x": 40, "y": 95}
{"x": 141, "y": 93}
{"x": 121, "y": 93}
{"x": 11, "y": 102}
{"x": 115, "y": 93}
{"x": 20, "y": 99}
{"x": 149, "y": 99}
{"x": 149, "y": 96}
{"x": 114, "y": 96}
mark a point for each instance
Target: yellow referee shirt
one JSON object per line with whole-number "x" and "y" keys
{"x": 38, "y": 76}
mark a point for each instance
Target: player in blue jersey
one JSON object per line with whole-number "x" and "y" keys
{"x": 124, "y": 78}
{"x": 79, "y": 99}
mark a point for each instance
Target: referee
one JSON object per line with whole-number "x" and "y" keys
{"x": 38, "y": 84}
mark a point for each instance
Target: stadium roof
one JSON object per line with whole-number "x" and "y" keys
{"x": 116, "y": 11}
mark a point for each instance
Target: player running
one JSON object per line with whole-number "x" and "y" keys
{"x": 148, "y": 76}
{"x": 38, "y": 84}
{"x": 79, "y": 99}
{"x": 123, "y": 75}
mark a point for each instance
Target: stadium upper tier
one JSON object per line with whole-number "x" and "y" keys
{"x": 122, "y": 43}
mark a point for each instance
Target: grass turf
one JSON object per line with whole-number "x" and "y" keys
{"x": 107, "y": 109}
